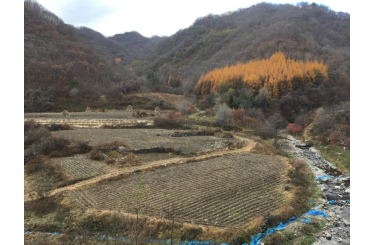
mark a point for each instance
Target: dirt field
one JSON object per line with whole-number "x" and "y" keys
{"x": 225, "y": 191}
{"x": 144, "y": 138}
{"x": 92, "y": 115}
{"x": 81, "y": 167}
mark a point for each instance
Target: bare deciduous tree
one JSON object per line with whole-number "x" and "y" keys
{"x": 183, "y": 106}
{"x": 224, "y": 115}
{"x": 276, "y": 123}
{"x": 73, "y": 92}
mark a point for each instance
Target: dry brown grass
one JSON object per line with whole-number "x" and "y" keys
{"x": 129, "y": 161}
{"x": 263, "y": 147}
{"x": 95, "y": 153}
{"x": 59, "y": 127}
{"x": 151, "y": 228}
{"x": 254, "y": 224}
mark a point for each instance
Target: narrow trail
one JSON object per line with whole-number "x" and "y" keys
{"x": 249, "y": 144}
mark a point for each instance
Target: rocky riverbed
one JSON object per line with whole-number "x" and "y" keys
{"x": 336, "y": 189}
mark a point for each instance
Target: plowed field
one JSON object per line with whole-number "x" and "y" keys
{"x": 81, "y": 167}
{"x": 143, "y": 138}
{"x": 225, "y": 191}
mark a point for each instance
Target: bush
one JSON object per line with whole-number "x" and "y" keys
{"x": 264, "y": 131}
{"x": 321, "y": 140}
{"x": 299, "y": 166}
{"x": 224, "y": 116}
{"x": 130, "y": 160}
{"x": 30, "y": 124}
{"x": 58, "y": 127}
{"x": 96, "y": 155}
{"x": 294, "y": 128}
{"x": 51, "y": 145}
{"x": 37, "y": 134}
{"x": 172, "y": 121}
{"x": 84, "y": 146}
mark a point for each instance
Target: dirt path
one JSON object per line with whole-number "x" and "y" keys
{"x": 248, "y": 146}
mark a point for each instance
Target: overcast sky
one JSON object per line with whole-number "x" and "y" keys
{"x": 154, "y": 17}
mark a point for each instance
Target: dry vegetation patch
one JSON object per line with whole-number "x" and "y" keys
{"x": 225, "y": 191}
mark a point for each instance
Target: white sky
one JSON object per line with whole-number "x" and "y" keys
{"x": 161, "y": 17}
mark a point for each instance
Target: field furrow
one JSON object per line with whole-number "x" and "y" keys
{"x": 225, "y": 191}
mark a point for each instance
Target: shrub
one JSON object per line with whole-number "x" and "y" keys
{"x": 42, "y": 206}
{"x": 36, "y": 135}
{"x": 224, "y": 116}
{"x": 294, "y": 128}
{"x": 171, "y": 120}
{"x": 299, "y": 166}
{"x": 96, "y": 155}
{"x": 84, "y": 146}
{"x": 51, "y": 145}
{"x": 30, "y": 124}
{"x": 264, "y": 131}
{"x": 130, "y": 160}
{"x": 321, "y": 139}
{"x": 58, "y": 127}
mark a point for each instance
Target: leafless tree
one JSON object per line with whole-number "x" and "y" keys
{"x": 224, "y": 115}
{"x": 73, "y": 92}
{"x": 276, "y": 123}
{"x": 183, "y": 106}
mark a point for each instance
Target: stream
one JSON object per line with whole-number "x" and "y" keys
{"x": 336, "y": 189}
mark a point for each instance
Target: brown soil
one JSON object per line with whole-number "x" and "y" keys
{"x": 81, "y": 167}
{"x": 123, "y": 172}
{"x": 143, "y": 138}
{"x": 230, "y": 190}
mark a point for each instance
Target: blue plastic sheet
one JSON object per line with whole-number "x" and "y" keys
{"x": 332, "y": 202}
{"x": 325, "y": 176}
{"x": 291, "y": 220}
{"x": 257, "y": 238}
{"x": 315, "y": 213}
{"x": 348, "y": 201}
{"x": 311, "y": 201}
{"x": 306, "y": 220}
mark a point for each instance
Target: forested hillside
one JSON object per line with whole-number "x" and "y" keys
{"x": 62, "y": 60}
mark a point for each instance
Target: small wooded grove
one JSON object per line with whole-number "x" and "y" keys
{"x": 276, "y": 74}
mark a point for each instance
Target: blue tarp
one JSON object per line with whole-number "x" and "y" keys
{"x": 332, "y": 202}
{"x": 306, "y": 220}
{"x": 315, "y": 213}
{"x": 325, "y": 176}
{"x": 257, "y": 238}
{"x": 311, "y": 201}
{"x": 348, "y": 201}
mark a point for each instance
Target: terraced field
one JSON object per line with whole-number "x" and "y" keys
{"x": 143, "y": 138}
{"x": 81, "y": 167}
{"x": 225, "y": 191}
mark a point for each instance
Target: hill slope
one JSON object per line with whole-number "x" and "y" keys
{"x": 57, "y": 54}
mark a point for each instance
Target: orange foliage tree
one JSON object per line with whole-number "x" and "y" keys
{"x": 276, "y": 74}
